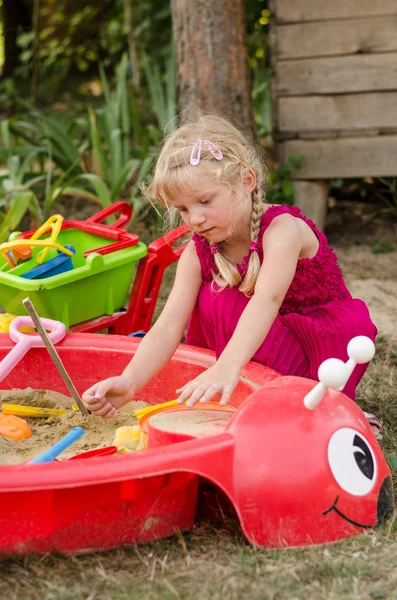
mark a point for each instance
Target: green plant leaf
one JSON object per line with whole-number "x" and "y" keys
{"x": 59, "y": 138}
{"x": 18, "y": 207}
{"x": 96, "y": 144}
{"x": 5, "y": 132}
{"x": 22, "y": 151}
{"x": 145, "y": 166}
{"x": 382, "y": 247}
{"x": 392, "y": 460}
{"x": 136, "y": 120}
{"x": 123, "y": 177}
{"x": 81, "y": 193}
{"x": 115, "y": 156}
{"x": 100, "y": 187}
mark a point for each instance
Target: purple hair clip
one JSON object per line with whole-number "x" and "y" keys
{"x": 255, "y": 246}
{"x": 214, "y": 248}
{"x": 196, "y": 151}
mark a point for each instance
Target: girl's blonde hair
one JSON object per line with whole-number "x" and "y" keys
{"x": 174, "y": 172}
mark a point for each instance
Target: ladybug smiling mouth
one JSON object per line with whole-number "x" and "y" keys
{"x": 385, "y": 506}
{"x": 338, "y": 512}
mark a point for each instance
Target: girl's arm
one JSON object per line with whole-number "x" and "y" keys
{"x": 161, "y": 341}
{"x": 282, "y": 245}
{"x": 158, "y": 345}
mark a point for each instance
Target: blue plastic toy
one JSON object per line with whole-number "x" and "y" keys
{"x": 56, "y": 265}
{"x": 49, "y": 455}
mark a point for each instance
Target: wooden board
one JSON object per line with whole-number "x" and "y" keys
{"x": 351, "y": 157}
{"x": 294, "y": 11}
{"x": 332, "y": 38}
{"x": 337, "y": 75}
{"x": 338, "y": 113}
{"x": 312, "y": 198}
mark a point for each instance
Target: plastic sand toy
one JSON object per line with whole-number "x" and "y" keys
{"x": 14, "y": 428}
{"x": 56, "y": 265}
{"x": 25, "y": 341}
{"x": 298, "y": 462}
{"x": 97, "y": 280}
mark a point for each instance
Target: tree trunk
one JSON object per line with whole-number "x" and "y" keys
{"x": 212, "y": 59}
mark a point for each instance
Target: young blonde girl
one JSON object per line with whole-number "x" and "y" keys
{"x": 256, "y": 281}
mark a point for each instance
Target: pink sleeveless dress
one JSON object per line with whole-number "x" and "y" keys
{"x": 316, "y": 320}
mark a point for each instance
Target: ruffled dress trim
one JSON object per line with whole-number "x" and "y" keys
{"x": 317, "y": 280}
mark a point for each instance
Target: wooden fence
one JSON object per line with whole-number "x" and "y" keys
{"x": 334, "y": 91}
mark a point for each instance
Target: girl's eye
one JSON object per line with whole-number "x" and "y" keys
{"x": 206, "y": 201}
{"x": 181, "y": 210}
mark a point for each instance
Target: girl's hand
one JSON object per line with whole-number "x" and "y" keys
{"x": 105, "y": 397}
{"x": 218, "y": 379}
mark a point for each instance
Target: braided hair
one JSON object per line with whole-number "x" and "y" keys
{"x": 174, "y": 172}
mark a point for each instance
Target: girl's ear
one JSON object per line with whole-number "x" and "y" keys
{"x": 249, "y": 180}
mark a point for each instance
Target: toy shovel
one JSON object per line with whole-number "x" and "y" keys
{"x": 49, "y": 455}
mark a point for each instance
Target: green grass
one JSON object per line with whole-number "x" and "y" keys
{"x": 214, "y": 561}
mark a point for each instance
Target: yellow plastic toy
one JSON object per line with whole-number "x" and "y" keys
{"x": 54, "y": 223}
{"x": 17, "y": 249}
{"x": 143, "y": 411}
{"x": 128, "y": 437}
{"x": 5, "y": 320}
{"x": 31, "y": 411}
{"x": 131, "y": 438}
{"x": 41, "y": 243}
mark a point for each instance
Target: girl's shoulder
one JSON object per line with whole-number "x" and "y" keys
{"x": 274, "y": 210}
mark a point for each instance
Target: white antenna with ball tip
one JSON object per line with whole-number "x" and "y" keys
{"x": 334, "y": 373}
{"x": 360, "y": 350}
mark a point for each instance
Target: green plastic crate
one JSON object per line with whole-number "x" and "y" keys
{"x": 98, "y": 285}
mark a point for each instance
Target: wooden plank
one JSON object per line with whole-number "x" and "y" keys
{"x": 295, "y": 11}
{"x": 332, "y": 38}
{"x": 337, "y": 75}
{"x": 312, "y": 199}
{"x": 338, "y": 113}
{"x": 349, "y": 157}
{"x": 325, "y": 135}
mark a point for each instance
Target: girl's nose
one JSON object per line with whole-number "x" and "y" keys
{"x": 197, "y": 218}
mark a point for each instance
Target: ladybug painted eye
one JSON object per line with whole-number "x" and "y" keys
{"x": 352, "y": 461}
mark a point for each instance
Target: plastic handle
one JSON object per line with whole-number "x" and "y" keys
{"x": 13, "y": 358}
{"x": 42, "y": 243}
{"x": 55, "y": 224}
{"x": 123, "y": 208}
{"x": 25, "y": 341}
{"x": 56, "y": 329}
{"x": 49, "y": 455}
{"x": 143, "y": 411}
{"x": 20, "y": 410}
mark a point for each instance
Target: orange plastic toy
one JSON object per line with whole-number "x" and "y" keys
{"x": 14, "y": 428}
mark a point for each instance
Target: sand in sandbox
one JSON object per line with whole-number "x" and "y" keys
{"x": 198, "y": 423}
{"x": 46, "y": 432}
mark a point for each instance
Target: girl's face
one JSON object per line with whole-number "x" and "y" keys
{"x": 217, "y": 213}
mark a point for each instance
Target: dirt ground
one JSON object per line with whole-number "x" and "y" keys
{"x": 369, "y": 273}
